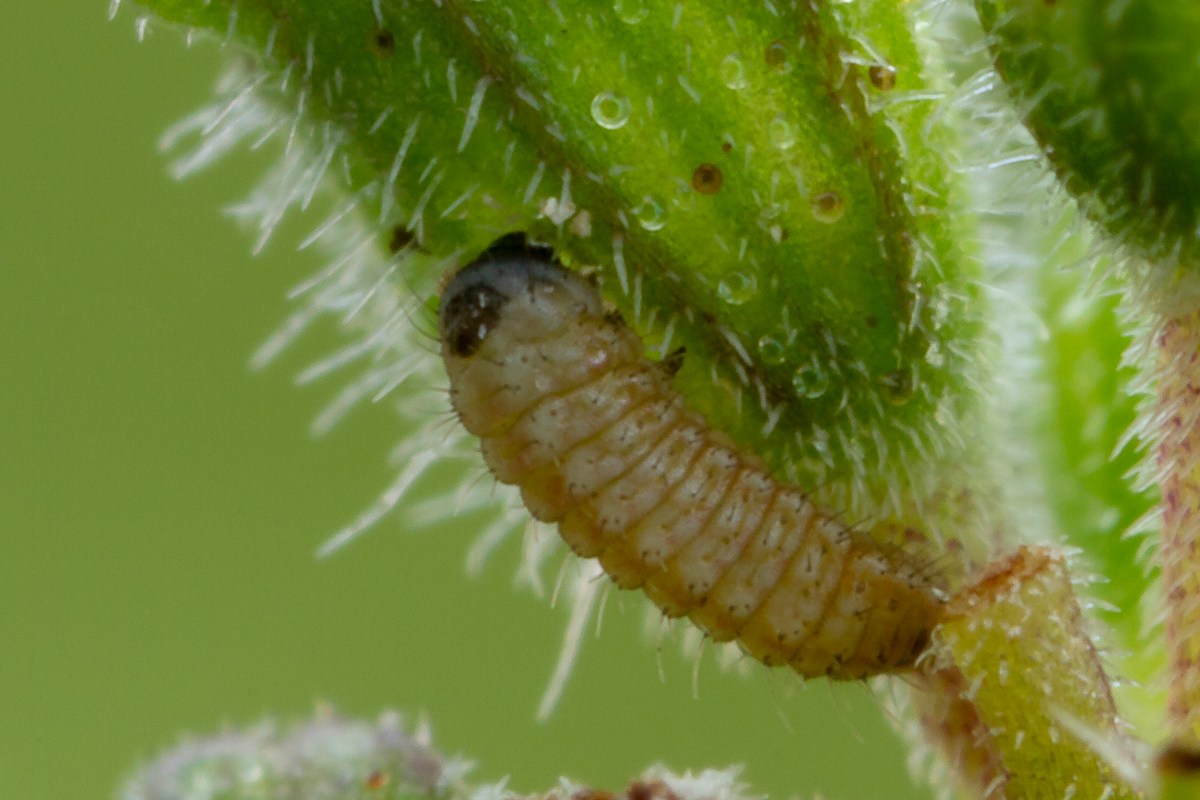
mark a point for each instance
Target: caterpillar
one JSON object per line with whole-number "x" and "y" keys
{"x": 568, "y": 407}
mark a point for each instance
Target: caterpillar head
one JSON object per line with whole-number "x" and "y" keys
{"x": 515, "y": 286}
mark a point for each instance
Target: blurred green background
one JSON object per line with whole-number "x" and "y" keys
{"x": 160, "y": 504}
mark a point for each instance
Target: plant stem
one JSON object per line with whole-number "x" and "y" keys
{"x": 1178, "y": 414}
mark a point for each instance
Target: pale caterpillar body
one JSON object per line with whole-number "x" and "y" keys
{"x": 569, "y": 408}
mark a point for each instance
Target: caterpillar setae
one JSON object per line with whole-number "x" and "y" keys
{"x": 569, "y": 408}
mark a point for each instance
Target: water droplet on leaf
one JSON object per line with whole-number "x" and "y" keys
{"x": 810, "y": 381}
{"x": 631, "y": 11}
{"x": 737, "y": 288}
{"x": 898, "y": 387}
{"x": 611, "y": 110}
{"x": 733, "y": 71}
{"x": 650, "y": 214}
{"x": 781, "y": 132}
{"x": 770, "y": 350}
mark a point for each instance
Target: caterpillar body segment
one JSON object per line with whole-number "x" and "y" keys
{"x": 568, "y": 408}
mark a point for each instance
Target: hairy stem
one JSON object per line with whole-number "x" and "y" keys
{"x": 1013, "y": 646}
{"x": 1179, "y": 460}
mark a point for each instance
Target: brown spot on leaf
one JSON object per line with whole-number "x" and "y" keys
{"x": 381, "y": 42}
{"x": 401, "y": 238}
{"x": 707, "y": 179}
{"x": 1178, "y": 758}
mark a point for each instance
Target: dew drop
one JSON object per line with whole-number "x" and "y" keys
{"x": 778, "y": 58}
{"x": 611, "y": 110}
{"x": 770, "y": 350}
{"x": 781, "y": 132}
{"x": 650, "y": 213}
{"x": 737, "y": 288}
{"x": 898, "y": 387}
{"x": 733, "y": 72}
{"x": 707, "y": 179}
{"x": 882, "y": 77}
{"x": 828, "y": 207}
{"x": 631, "y": 11}
{"x": 810, "y": 381}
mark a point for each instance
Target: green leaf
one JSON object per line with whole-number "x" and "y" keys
{"x": 1110, "y": 91}
{"x": 763, "y": 185}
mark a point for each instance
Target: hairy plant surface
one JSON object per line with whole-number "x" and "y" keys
{"x": 884, "y": 285}
{"x": 336, "y": 758}
{"x": 1109, "y": 92}
{"x": 767, "y": 192}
